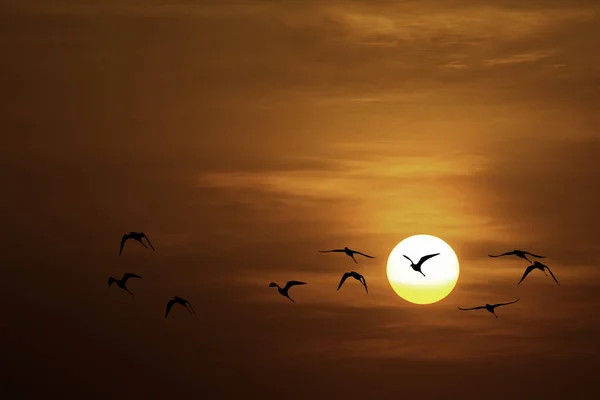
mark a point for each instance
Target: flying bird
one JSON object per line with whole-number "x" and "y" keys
{"x": 349, "y": 253}
{"x": 541, "y": 267}
{"x": 284, "y": 291}
{"x": 137, "y": 236}
{"x": 121, "y": 282}
{"x": 417, "y": 266}
{"x": 183, "y": 302}
{"x": 519, "y": 253}
{"x": 489, "y": 307}
{"x": 356, "y": 276}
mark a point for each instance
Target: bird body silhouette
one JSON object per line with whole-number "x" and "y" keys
{"x": 541, "y": 267}
{"x": 356, "y": 276}
{"x": 137, "y": 236}
{"x": 519, "y": 253}
{"x": 183, "y": 302}
{"x": 121, "y": 282}
{"x": 417, "y": 266}
{"x": 350, "y": 253}
{"x": 285, "y": 290}
{"x": 489, "y": 307}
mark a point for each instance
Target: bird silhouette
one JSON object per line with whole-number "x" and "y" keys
{"x": 417, "y": 266}
{"x": 489, "y": 307}
{"x": 356, "y": 276}
{"x": 519, "y": 253}
{"x": 137, "y": 236}
{"x": 284, "y": 291}
{"x": 121, "y": 282}
{"x": 183, "y": 302}
{"x": 541, "y": 267}
{"x": 348, "y": 252}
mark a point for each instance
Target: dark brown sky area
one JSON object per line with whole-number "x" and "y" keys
{"x": 242, "y": 137}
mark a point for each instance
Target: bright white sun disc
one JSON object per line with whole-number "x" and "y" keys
{"x": 441, "y": 272}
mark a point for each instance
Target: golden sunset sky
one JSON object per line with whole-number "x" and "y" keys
{"x": 244, "y": 136}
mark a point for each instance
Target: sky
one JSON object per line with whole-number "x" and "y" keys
{"x": 244, "y": 136}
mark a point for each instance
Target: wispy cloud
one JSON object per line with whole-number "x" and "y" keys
{"x": 519, "y": 58}
{"x": 456, "y": 65}
{"x": 377, "y": 43}
{"x": 468, "y": 24}
{"x": 351, "y": 173}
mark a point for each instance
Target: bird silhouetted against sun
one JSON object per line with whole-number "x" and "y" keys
{"x": 422, "y": 269}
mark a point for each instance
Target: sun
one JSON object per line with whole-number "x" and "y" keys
{"x": 441, "y": 272}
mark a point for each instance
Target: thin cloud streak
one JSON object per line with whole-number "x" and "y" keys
{"x": 519, "y": 58}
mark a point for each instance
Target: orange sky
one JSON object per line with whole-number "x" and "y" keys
{"x": 242, "y": 137}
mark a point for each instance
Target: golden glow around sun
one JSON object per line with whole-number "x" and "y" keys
{"x": 441, "y": 272}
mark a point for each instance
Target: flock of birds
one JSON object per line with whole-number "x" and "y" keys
{"x": 284, "y": 291}
{"x": 534, "y": 265}
{"x": 122, "y": 283}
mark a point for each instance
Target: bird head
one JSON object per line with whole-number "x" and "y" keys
{"x": 272, "y": 284}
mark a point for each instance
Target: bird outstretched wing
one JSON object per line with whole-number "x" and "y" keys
{"x": 346, "y": 275}
{"x": 411, "y": 261}
{"x": 527, "y": 271}
{"x": 472, "y": 308}
{"x": 148, "y": 240}
{"x": 111, "y": 280}
{"x": 169, "y": 306}
{"x": 555, "y": 280}
{"x": 533, "y": 255}
{"x": 293, "y": 283}
{"x": 186, "y": 304}
{"x": 332, "y": 251}
{"x": 130, "y": 275}
{"x": 504, "y": 304}
{"x": 508, "y": 253}
{"x": 364, "y": 282}
{"x": 362, "y": 254}
{"x": 123, "y": 240}
{"x": 427, "y": 257}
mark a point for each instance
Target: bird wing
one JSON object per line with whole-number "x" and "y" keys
{"x": 123, "y": 240}
{"x": 169, "y": 306}
{"x": 503, "y": 254}
{"x": 187, "y": 303}
{"x": 504, "y": 304}
{"x": 427, "y": 257}
{"x": 527, "y": 271}
{"x": 144, "y": 236}
{"x": 111, "y": 280}
{"x": 362, "y": 254}
{"x": 346, "y": 275}
{"x": 334, "y": 251}
{"x": 472, "y": 308}
{"x": 411, "y": 261}
{"x": 364, "y": 282}
{"x": 555, "y": 280}
{"x": 130, "y": 275}
{"x": 293, "y": 283}
{"x": 531, "y": 254}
